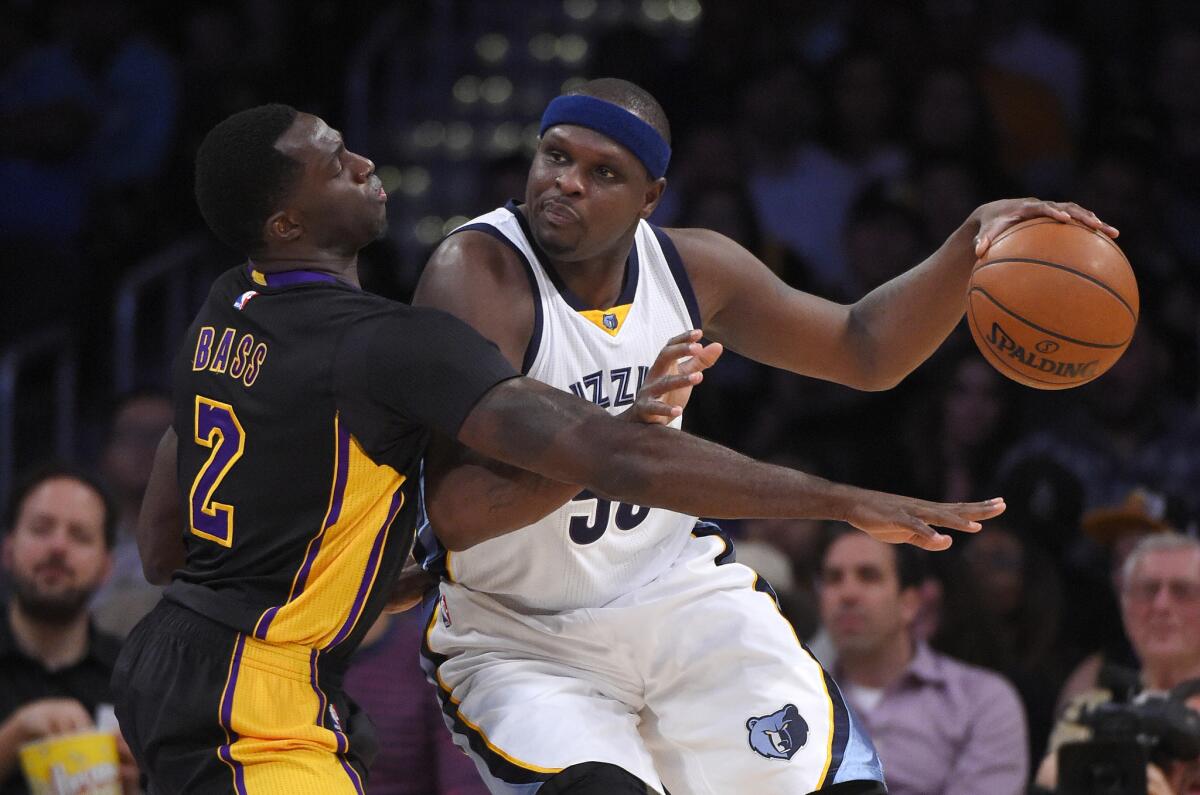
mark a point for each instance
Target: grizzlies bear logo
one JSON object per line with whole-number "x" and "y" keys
{"x": 778, "y": 735}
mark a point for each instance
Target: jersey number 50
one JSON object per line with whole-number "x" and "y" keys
{"x": 587, "y": 528}
{"x": 217, "y": 428}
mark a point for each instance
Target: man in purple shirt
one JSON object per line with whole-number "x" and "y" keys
{"x": 416, "y": 755}
{"x": 940, "y": 726}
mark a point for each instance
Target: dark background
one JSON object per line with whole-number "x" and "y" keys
{"x": 842, "y": 142}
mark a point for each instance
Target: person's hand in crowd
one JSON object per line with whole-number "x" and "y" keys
{"x": 1156, "y": 782}
{"x": 128, "y": 769}
{"x": 668, "y": 386}
{"x": 52, "y": 716}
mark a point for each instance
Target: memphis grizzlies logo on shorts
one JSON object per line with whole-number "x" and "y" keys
{"x": 778, "y": 735}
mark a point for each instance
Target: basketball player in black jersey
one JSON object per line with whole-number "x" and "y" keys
{"x": 302, "y": 409}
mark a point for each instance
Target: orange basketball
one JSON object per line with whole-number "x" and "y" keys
{"x": 1052, "y": 305}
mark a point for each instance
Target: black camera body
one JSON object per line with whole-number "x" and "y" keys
{"x": 1125, "y": 738}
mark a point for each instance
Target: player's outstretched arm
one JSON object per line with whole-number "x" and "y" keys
{"x": 527, "y": 424}
{"x": 871, "y": 344}
{"x": 471, "y": 498}
{"x": 160, "y": 544}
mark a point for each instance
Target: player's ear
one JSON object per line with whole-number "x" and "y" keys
{"x": 282, "y": 228}
{"x": 653, "y": 195}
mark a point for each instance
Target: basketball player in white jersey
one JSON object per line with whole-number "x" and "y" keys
{"x": 605, "y": 647}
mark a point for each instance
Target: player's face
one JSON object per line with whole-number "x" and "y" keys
{"x": 585, "y": 193}
{"x": 56, "y": 552}
{"x": 339, "y": 202}
{"x": 1160, "y": 604}
{"x": 862, "y": 604}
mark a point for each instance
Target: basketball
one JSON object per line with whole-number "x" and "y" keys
{"x": 1052, "y": 305}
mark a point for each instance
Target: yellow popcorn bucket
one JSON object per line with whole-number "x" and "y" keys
{"x": 84, "y": 763}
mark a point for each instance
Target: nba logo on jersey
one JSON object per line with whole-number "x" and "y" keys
{"x": 335, "y": 718}
{"x": 445, "y": 612}
{"x": 244, "y": 299}
{"x": 610, "y": 321}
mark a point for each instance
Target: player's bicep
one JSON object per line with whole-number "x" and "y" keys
{"x": 754, "y": 312}
{"x": 475, "y": 278}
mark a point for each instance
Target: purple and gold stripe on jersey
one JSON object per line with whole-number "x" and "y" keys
{"x": 276, "y": 721}
{"x": 342, "y": 559}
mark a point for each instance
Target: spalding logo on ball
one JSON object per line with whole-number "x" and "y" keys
{"x": 1053, "y": 305}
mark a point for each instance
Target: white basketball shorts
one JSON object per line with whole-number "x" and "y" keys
{"x": 694, "y": 682}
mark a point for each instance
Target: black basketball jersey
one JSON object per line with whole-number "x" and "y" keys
{"x": 303, "y": 406}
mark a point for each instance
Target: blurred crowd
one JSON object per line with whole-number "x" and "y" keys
{"x": 841, "y": 142}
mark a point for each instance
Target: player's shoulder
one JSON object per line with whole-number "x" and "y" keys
{"x": 472, "y": 268}
{"x": 470, "y": 255}
{"x": 700, "y": 246}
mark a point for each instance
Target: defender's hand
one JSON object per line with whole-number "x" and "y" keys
{"x": 997, "y": 216}
{"x": 904, "y": 520}
{"x": 409, "y": 588}
{"x": 668, "y": 386}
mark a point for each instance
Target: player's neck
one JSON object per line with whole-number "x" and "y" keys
{"x": 56, "y": 646}
{"x": 340, "y": 266}
{"x": 880, "y": 667}
{"x": 597, "y": 281}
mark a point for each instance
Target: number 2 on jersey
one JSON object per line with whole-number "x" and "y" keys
{"x": 216, "y": 427}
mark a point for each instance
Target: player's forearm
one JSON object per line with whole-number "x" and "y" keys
{"x": 475, "y": 502}
{"x": 536, "y": 427}
{"x": 899, "y": 324}
{"x": 159, "y": 522}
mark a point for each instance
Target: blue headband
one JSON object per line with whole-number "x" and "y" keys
{"x": 615, "y": 122}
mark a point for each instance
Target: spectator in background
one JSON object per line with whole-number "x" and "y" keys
{"x": 940, "y": 726}
{"x": 1160, "y": 609}
{"x": 1021, "y": 603}
{"x": 781, "y": 113}
{"x": 54, "y": 664}
{"x": 416, "y": 753}
{"x": 1117, "y": 530}
{"x": 953, "y": 443}
{"x": 1127, "y": 431}
{"x": 138, "y": 424}
{"x": 84, "y": 119}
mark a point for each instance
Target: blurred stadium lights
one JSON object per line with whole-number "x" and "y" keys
{"x": 459, "y": 137}
{"x": 572, "y": 83}
{"x": 686, "y": 11}
{"x": 529, "y": 138}
{"x": 580, "y": 10}
{"x": 506, "y": 138}
{"x": 466, "y": 89}
{"x": 655, "y": 10}
{"x": 496, "y": 90}
{"x": 571, "y": 48}
{"x": 428, "y": 230}
{"x": 452, "y": 223}
{"x": 429, "y": 134}
{"x": 492, "y": 48}
{"x": 542, "y": 46}
{"x": 389, "y": 177}
{"x": 414, "y": 181}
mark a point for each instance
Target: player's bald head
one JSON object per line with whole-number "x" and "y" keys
{"x": 631, "y": 97}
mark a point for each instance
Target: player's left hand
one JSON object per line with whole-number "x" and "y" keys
{"x": 668, "y": 386}
{"x": 995, "y": 217}
{"x": 409, "y": 588}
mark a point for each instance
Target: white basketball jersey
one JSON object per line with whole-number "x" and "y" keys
{"x": 591, "y": 550}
